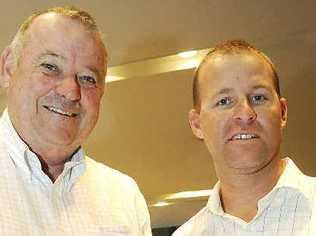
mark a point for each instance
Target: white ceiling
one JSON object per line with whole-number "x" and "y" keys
{"x": 143, "y": 129}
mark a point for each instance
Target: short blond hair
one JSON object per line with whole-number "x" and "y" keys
{"x": 228, "y": 48}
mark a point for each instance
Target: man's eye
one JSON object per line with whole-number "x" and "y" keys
{"x": 224, "y": 102}
{"x": 49, "y": 67}
{"x": 258, "y": 99}
{"x": 87, "y": 80}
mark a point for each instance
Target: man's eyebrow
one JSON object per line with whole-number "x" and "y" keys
{"x": 50, "y": 54}
{"x": 223, "y": 91}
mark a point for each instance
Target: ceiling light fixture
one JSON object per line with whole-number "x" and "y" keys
{"x": 175, "y": 198}
{"x": 161, "y": 204}
{"x": 189, "y": 64}
{"x": 188, "y": 194}
{"x": 187, "y": 54}
{"x": 155, "y": 66}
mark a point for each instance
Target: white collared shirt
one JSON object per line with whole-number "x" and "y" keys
{"x": 88, "y": 198}
{"x": 288, "y": 209}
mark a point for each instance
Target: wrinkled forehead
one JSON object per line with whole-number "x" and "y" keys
{"x": 53, "y": 28}
{"x": 65, "y": 36}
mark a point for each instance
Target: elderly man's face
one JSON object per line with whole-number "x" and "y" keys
{"x": 55, "y": 91}
{"x": 241, "y": 115}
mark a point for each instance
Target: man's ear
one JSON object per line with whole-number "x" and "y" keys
{"x": 7, "y": 66}
{"x": 195, "y": 124}
{"x": 284, "y": 109}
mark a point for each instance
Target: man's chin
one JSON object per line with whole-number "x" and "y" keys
{"x": 62, "y": 139}
{"x": 248, "y": 163}
{"x": 247, "y": 169}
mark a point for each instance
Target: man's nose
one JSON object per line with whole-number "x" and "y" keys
{"x": 244, "y": 113}
{"x": 69, "y": 88}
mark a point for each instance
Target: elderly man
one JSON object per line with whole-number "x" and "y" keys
{"x": 54, "y": 72}
{"x": 240, "y": 114}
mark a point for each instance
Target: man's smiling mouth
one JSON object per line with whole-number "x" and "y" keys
{"x": 60, "y": 111}
{"x": 243, "y": 136}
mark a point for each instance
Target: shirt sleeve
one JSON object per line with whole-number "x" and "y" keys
{"x": 142, "y": 214}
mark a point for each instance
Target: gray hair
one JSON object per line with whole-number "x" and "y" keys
{"x": 74, "y": 13}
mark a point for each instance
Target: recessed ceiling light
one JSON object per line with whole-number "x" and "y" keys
{"x": 188, "y": 194}
{"x": 155, "y": 66}
{"x": 187, "y": 54}
{"x": 161, "y": 204}
{"x": 189, "y": 64}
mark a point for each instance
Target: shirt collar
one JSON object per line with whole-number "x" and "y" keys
{"x": 14, "y": 144}
{"x": 214, "y": 202}
{"x": 27, "y": 162}
{"x": 288, "y": 179}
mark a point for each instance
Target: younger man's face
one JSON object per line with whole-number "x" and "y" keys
{"x": 241, "y": 115}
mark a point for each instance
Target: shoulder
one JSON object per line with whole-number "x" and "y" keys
{"x": 294, "y": 178}
{"x": 308, "y": 185}
{"x": 303, "y": 182}
{"x": 106, "y": 175}
{"x": 117, "y": 194}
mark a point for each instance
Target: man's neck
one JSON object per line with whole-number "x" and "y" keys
{"x": 53, "y": 162}
{"x": 240, "y": 193}
{"x": 52, "y": 171}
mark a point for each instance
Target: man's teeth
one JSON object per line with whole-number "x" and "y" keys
{"x": 244, "y": 136}
{"x": 61, "y": 112}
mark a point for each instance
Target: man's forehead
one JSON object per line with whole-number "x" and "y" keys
{"x": 221, "y": 69}
{"x": 62, "y": 31}
{"x": 53, "y": 35}
{"x": 230, "y": 62}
